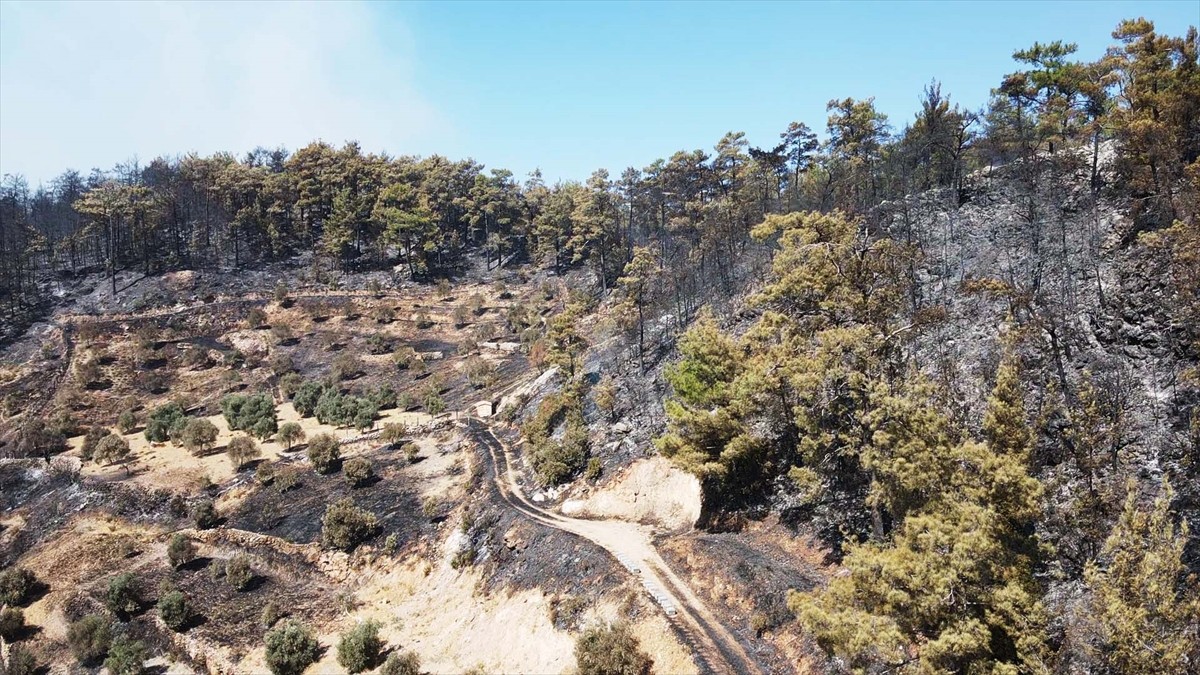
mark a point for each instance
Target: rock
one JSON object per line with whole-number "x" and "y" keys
{"x": 621, "y": 428}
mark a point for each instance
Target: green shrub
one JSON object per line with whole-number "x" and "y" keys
{"x": 126, "y": 421}
{"x": 12, "y": 623}
{"x": 345, "y": 525}
{"x": 89, "y": 638}
{"x": 289, "y": 384}
{"x": 174, "y": 611}
{"x": 124, "y": 595}
{"x": 291, "y": 648}
{"x": 382, "y": 397}
{"x": 610, "y": 650}
{"x": 111, "y": 449}
{"x": 93, "y": 437}
{"x": 325, "y": 453}
{"x": 432, "y": 400}
{"x": 378, "y": 344}
{"x": 198, "y": 436}
{"x": 241, "y": 451}
{"x": 16, "y": 586}
{"x": 205, "y": 515}
{"x": 306, "y": 398}
{"x": 358, "y": 649}
{"x": 593, "y": 469}
{"x": 126, "y": 656}
{"x": 340, "y": 410}
{"x": 358, "y": 470}
{"x": 238, "y": 572}
{"x": 290, "y": 433}
{"x": 254, "y": 413}
{"x": 180, "y": 550}
{"x": 161, "y": 420}
{"x": 407, "y": 663}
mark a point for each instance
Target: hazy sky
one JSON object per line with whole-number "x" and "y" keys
{"x": 567, "y": 87}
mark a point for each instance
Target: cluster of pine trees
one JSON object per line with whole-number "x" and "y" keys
{"x": 693, "y": 211}
{"x": 1019, "y": 540}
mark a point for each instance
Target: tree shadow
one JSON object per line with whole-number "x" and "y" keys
{"x": 196, "y": 564}
{"x": 256, "y": 582}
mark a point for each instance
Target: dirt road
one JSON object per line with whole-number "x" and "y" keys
{"x": 716, "y": 650}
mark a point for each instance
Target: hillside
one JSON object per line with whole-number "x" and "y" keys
{"x": 923, "y": 401}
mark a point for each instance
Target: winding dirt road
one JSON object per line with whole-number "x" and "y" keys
{"x": 716, "y": 649}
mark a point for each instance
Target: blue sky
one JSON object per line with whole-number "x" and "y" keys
{"x": 565, "y": 87}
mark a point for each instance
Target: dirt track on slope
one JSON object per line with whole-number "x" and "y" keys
{"x": 716, "y": 649}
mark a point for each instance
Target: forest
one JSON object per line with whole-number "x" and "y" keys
{"x": 799, "y": 300}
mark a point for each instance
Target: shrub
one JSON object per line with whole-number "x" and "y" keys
{"x": 198, "y": 436}
{"x": 423, "y": 320}
{"x": 407, "y": 663}
{"x": 480, "y": 372}
{"x": 254, "y": 413}
{"x": 174, "y": 611}
{"x": 378, "y": 344}
{"x": 111, "y": 449}
{"x": 403, "y": 357}
{"x": 290, "y": 433}
{"x": 16, "y": 586}
{"x": 126, "y": 656}
{"x": 281, "y": 295}
{"x": 345, "y": 526}
{"x": 358, "y": 471}
{"x": 124, "y": 595}
{"x": 256, "y": 318}
{"x": 610, "y": 650}
{"x": 281, "y": 363}
{"x": 394, "y": 432}
{"x": 93, "y": 437}
{"x": 20, "y": 662}
{"x": 289, "y": 384}
{"x": 345, "y": 366}
{"x": 89, "y": 638}
{"x": 271, "y": 614}
{"x": 286, "y": 479}
{"x": 593, "y": 469}
{"x": 126, "y": 421}
{"x": 383, "y": 314}
{"x": 431, "y": 398}
{"x": 358, "y": 649}
{"x": 382, "y": 397}
{"x": 205, "y": 515}
{"x": 180, "y": 550}
{"x": 238, "y": 572}
{"x": 390, "y": 544}
{"x": 410, "y": 450}
{"x": 12, "y": 623}
{"x": 341, "y": 410}
{"x": 241, "y": 451}
{"x": 324, "y": 453}
{"x": 462, "y": 316}
{"x": 306, "y": 398}
{"x": 161, "y": 420}
{"x": 264, "y": 473}
{"x": 291, "y": 648}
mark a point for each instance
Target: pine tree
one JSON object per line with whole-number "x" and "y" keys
{"x": 1146, "y": 604}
